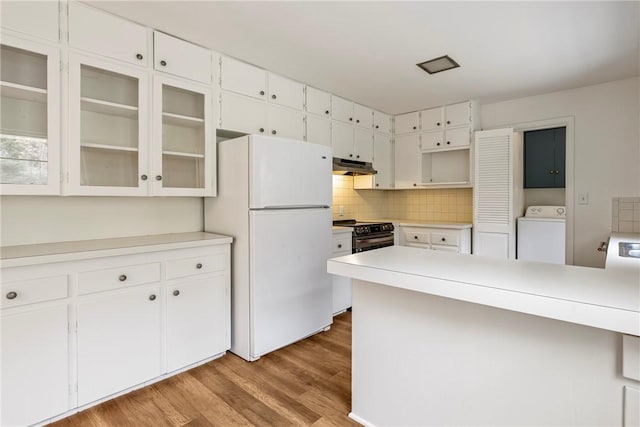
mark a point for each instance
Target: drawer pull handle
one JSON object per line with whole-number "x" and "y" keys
{"x": 176, "y": 293}
{"x": 152, "y": 297}
{"x": 12, "y": 295}
{"x": 122, "y": 277}
{"x": 198, "y": 266}
{"x": 339, "y": 245}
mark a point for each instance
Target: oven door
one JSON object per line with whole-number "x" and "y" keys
{"x": 368, "y": 243}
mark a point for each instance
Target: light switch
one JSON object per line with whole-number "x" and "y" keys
{"x": 583, "y": 198}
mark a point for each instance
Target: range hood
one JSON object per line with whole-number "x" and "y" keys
{"x": 352, "y": 167}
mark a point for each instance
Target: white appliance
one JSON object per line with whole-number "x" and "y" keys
{"x": 274, "y": 198}
{"x": 541, "y": 234}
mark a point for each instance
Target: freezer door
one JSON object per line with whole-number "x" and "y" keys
{"x": 287, "y": 172}
{"x": 290, "y": 289}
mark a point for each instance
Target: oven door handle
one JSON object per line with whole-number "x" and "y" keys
{"x": 376, "y": 240}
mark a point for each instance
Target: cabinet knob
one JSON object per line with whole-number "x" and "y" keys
{"x": 443, "y": 239}
{"x": 350, "y": 119}
{"x": 438, "y": 124}
{"x": 163, "y": 63}
{"x": 448, "y": 142}
{"x": 377, "y": 126}
{"x": 414, "y": 128}
{"x": 377, "y": 185}
{"x": 273, "y": 96}
{"x": 158, "y": 177}
{"x": 122, "y": 277}
{"x": 12, "y": 295}
{"x": 350, "y": 155}
{"x": 326, "y": 111}
{"x": 199, "y": 266}
{"x": 438, "y": 144}
{"x": 557, "y": 172}
{"x": 176, "y": 293}
{"x": 550, "y": 172}
{"x": 261, "y": 92}
{"x": 339, "y": 245}
{"x": 273, "y": 132}
{"x": 357, "y": 120}
{"x": 261, "y": 130}
{"x": 152, "y": 297}
{"x": 448, "y": 122}
{"x": 415, "y": 237}
{"x": 139, "y": 56}
{"x": 415, "y": 185}
{"x": 143, "y": 177}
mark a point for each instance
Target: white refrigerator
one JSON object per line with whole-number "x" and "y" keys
{"x": 274, "y": 198}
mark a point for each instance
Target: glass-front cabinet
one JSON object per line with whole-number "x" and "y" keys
{"x": 108, "y": 132}
{"x": 29, "y": 117}
{"x": 184, "y": 151}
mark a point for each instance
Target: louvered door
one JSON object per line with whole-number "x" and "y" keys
{"x": 498, "y": 192}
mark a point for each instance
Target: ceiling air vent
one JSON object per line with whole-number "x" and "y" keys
{"x": 436, "y": 65}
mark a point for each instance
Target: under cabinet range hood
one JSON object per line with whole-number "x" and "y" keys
{"x": 352, "y": 167}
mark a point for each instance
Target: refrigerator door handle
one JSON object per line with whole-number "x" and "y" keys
{"x": 292, "y": 207}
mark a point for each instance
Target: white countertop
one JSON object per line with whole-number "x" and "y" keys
{"x": 15, "y": 256}
{"x": 422, "y": 223}
{"x": 602, "y": 298}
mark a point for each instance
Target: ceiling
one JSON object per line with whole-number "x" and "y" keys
{"x": 367, "y": 51}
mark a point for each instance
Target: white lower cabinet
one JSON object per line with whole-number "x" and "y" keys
{"x": 341, "y": 285}
{"x": 455, "y": 239}
{"x": 88, "y": 325}
{"x": 119, "y": 341}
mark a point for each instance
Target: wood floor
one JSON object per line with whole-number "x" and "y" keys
{"x": 304, "y": 384}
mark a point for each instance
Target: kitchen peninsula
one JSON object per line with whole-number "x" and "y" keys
{"x": 445, "y": 339}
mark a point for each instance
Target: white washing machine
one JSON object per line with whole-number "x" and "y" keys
{"x": 541, "y": 234}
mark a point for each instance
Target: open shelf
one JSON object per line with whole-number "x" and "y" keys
{"x": 446, "y": 168}
{"x": 108, "y": 147}
{"x": 180, "y": 120}
{"x": 179, "y": 154}
{"x": 106, "y": 107}
{"x": 26, "y": 93}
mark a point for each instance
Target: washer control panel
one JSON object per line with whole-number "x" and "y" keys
{"x": 546, "y": 212}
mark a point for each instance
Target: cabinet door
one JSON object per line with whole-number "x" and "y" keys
{"x": 285, "y": 92}
{"x": 318, "y": 102}
{"x": 107, "y": 35}
{"x": 108, "y": 116}
{"x": 125, "y": 350}
{"x": 407, "y": 123}
{"x": 197, "y": 320}
{"x": 432, "y": 119}
{"x": 35, "y": 18}
{"x": 381, "y": 122}
{"x": 29, "y": 118}
{"x": 341, "y": 109}
{"x": 181, "y": 58}
{"x": 342, "y": 140}
{"x": 242, "y": 114}
{"x": 544, "y": 158}
{"x": 457, "y": 138}
{"x": 363, "y": 145}
{"x": 363, "y": 116}
{"x": 318, "y": 130}
{"x": 383, "y": 161}
{"x": 431, "y": 141}
{"x": 407, "y": 161}
{"x": 35, "y": 365}
{"x": 184, "y": 153}
{"x": 458, "y": 114}
{"x": 285, "y": 122}
{"x": 243, "y": 78}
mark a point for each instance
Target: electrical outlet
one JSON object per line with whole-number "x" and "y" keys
{"x": 583, "y": 198}
{"x": 340, "y": 210}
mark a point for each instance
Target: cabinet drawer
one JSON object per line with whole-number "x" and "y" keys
{"x": 444, "y": 248}
{"x": 413, "y": 235}
{"x": 447, "y": 239}
{"x": 341, "y": 243}
{"x": 119, "y": 277}
{"x": 22, "y": 292}
{"x": 196, "y": 265}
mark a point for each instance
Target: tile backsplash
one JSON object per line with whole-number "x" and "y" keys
{"x": 625, "y": 214}
{"x": 450, "y": 205}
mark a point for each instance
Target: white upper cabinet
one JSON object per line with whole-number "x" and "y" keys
{"x": 458, "y": 114}
{"x": 432, "y": 119}
{"x": 342, "y": 140}
{"x": 407, "y": 161}
{"x": 107, "y": 35}
{"x": 362, "y": 116}
{"x": 29, "y": 117}
{"x": 450, "y": 138}
{"x": 363, "y": 145}
{"x": 382, "y": 163}
{"x": 285, "y": 122}
{"x": 341, "y": 109}
{"x": 407, "y": 123}
{"x": 35, "y": 18}
{"x": 285, "y": 92}
{"x": 381, "y": 122}
{"x": 318, "y": 102}
{"x": 242, "y": 114}
{"x": 178, "y": 57}
{"x": 318, "y": 130}
{"x": 108, "y": 134}
{"x": 243, "y": 78}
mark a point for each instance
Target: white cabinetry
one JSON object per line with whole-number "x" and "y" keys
{"x": 134, "y": 316}
{"x": 107, "y": 35}
{"x": 242, "y": 114}
{"x": 456, "y": 239}
{"x": 407, "y": 123}
{"x": 35, "y": 347}
{"x": 318, "y": 102}
{"x": 341, "y": 285}
{"x": 242, "y": 78}
{"x": 381, "y": 122}
{"x": 34, "y": 18}
{"x": 29, "y": 117}
{"x": 382, "y": 163}
{"x": 341, "y": 109}
{"x": 362, "y": 116}
{"x": 407, "y": 161}
{"x": 351, "y": 142}
{"x": 497, "y": 197}
{"x": 318, "y": 130}
{"x": 285, "y": 122}
{"x": 181, "y": 58}
{"x": 285, "y": 92}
